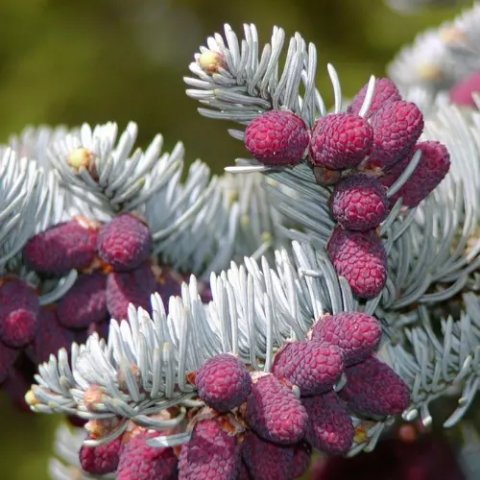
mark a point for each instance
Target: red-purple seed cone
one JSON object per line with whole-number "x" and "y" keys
{"x": 359, "y": 202}
{"x": 223, "y": 382}
{"x": 50, "y": 337}
{"x": 139, "y": 461}
{"x": 391, "y": 174}
{"x": 356, "y": 334}
{"x": 125, "y": 242}
{"x": 277, "y": 138}
{"x": 60, "y": 248}
{"x": 373, "y": 389}
{"x": 385, "y": 91}
{"x": 85, "y": 302}
{"x": 314, "y": 367}
{"x": 340, "y": 140}
{"x": 360, "y": 257}
{"x": 18, "y": 328}
{"x": 129, "y": 287}
{"x": 18, "y": 313}
{"x": 330, "y": 427}
{"x": 266, "y": 460}
{"x": 302, "y": 454}
{"x": 461, "y": 92}
{"x": 396, "y": 128}
{"x": 274, "y": 412}
{"x": 8, "y": 356}
{"x": 102, "y": 459}
{"x": 211, "y": 454}
{"x": 430, "y": 171}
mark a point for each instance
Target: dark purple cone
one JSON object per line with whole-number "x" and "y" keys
{"x": 223, "y": 382}
{"x": 385, "y": 91}
{"x": 396, "y": 128}
{"x": 266, "y": 460}
{"x": 211, "y": 454}
{"x": 360, "y": 257}
{"x": 124, "y": 243}
{"x": 313, "y": 366}
{"x": 85, "y": 302}
{"x": 356, "y": 334}
{"x": 102, "y": 459}
{"x": 430, "y": 171}
{"x": 359, "y": 202}
{"x": 277, "y": 138}
{"x": 330, "y": 427}
{"x": 139, "y": 461}
{"x": 60, "y": 248}
{"x": 340, "y": 140}
{"x": 274, "y": 412}
{"x": 18, "y": 313}
{"x": 373, "y": 389}
{"x": 50, "y": 337}
{"x": 129, "y": 287}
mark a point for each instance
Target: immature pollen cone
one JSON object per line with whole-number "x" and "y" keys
{"x": 374, "y": 389}
{"x": 396, "y": 128}
{"x": 274, "y": 412}
{"x": 277, "y": 138}
{"x": 51, "y": 336}
{"x": 60, "y": 248}
{"x": 330, "y": 427}
{"x": 356, "y": 334}
{"x": 361, "y": 258}
{"x": 267, "y": 460}
{"x": 210, "y": 454}
{"x": 102, "y": 459}
{"x": 125, "y": 242}
{"x": 313, "y": 366}
{"x": 385, "y": 91}
{"x": 19, "y": 309}
{"x": 340, "y": 140}
{"x": 223, "y": 382}
{"x": 139, "y": 461}
{"x": 85, "y": 302}
{"x": 430, "y": 171}
{"x": 133, "y": 287}
{"x": 359, "y": 203}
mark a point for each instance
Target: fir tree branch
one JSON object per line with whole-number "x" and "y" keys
{"x": 247, "y": 83}
{"x": 435, "y": 364}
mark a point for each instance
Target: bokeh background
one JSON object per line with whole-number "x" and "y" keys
{"x": 68, "y": 62}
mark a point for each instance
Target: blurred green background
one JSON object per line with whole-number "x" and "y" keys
{"x": 68, "y": 62}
